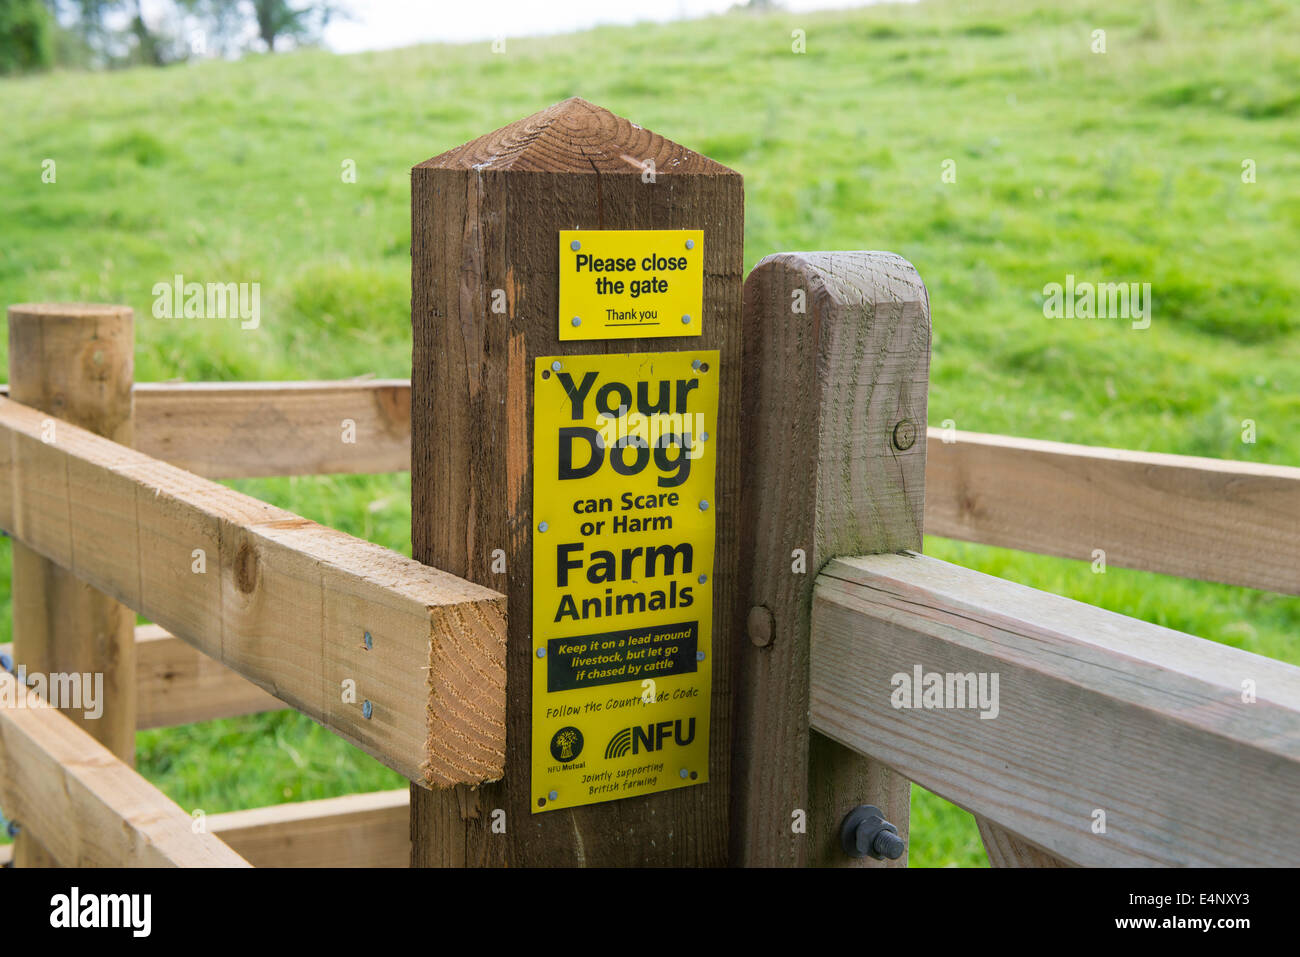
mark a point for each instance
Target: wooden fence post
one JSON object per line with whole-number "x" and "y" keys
{"x": 485, "y": 222}
{"x": 837, "y": 367}
{"x": 74, "y": 362}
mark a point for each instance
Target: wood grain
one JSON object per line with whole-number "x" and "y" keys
{"x": 1211, "y": 519}
{"x": 356, "y": 830}
{"x": 282, "y": 601}
{"x": 825, "y": 390}
{"x": 1096, "y": 712}
{"x": 1005, "y": 849}
{"x": 178, "y": 684}
{"x": 74, "y": 362}
{"x": 486, "y": 216}
{"x": 242, "y": 429}
{"x": 89, "y": 808}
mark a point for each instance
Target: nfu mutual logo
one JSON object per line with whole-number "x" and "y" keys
{"x": 946, "y": 690}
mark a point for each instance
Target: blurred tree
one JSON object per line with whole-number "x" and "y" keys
{"x": 85, "y": 20}
{"x": 108, "y": 33}
{"x": 148, "y": 48}
{"x": 27, "y": 31}
{"x": 232, "y": 25}
{"x": 302, "y": 24}
{"x": 221, "y": 28}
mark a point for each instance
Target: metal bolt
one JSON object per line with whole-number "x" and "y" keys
{"x": 542, "y": 526}
{"x": 888, "y": 845}
{"x": 556, "y": 365}
{"x": 541, "y": 652}
{"x": 554, "y": 795}
{"x": 370, "y": 642}
{"x": 575, "y": 245}
{"x": 577, "y": 321}
{"x": 866, "y": 833}
{"x": 684, "y": 773}
{"x": 759, "y": 626}
{"x": 704, "y": 436}
{"x": 699, "y": 656}
{"x": 367, "y": 709}
{"x": 690, "y": 244}
{"x": 904, "y": 435}
{"x": 686, "y": 320}
{"x": 695, "y": 364}
{"x": 704, "y": 505}
{"x": 703, "y": 579}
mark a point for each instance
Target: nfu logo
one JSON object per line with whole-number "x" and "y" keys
{"x": 650, "y": 738}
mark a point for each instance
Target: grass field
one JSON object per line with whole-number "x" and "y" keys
{"x": 1122, "y": 166}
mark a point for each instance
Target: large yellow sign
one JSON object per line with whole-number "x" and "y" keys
{"x": 623, "y": 538}
{"x": 631, "y": 283}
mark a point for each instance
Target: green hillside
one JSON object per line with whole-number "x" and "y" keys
{"x": 1123, "y": 166}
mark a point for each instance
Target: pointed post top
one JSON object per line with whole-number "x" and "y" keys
{"x": 575, "y": 136}
{"x": 487, "y": 267}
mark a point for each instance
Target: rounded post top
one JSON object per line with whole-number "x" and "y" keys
{"x": 32, "y": 311}
{"x": 575, "y": 136}
{"x": 75, "y": 361}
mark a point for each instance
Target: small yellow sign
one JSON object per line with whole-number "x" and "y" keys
{"x": 631, "y": 283}
{"x": 623, "y": 542}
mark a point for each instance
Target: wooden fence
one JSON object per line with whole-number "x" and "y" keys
{"x": 1052, "y": 498}
{"x": 1105, "y": 740}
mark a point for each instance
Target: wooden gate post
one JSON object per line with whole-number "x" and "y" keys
{"x": 76, "y": 363}
{"x": 485, "y": 222}
{"x": 837, "y": 370}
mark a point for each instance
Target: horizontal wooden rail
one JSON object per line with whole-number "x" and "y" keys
{"x": 178, "y": 684}
{"x": 404, "y": 661}
{"x": 1187, "y": 751}
{"x": 357, "y": 830}
{"x": 87, "y": 808}
{"x": 233, "y": 430}
{"x": 238, "y": 429}
{"x": 1212, "y": 519}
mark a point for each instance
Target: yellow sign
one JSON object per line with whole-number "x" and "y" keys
{"x": 631, "y": 283}
{"x": 623, "y": 537}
